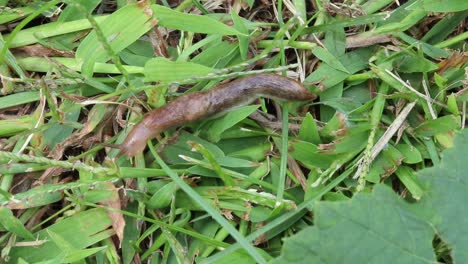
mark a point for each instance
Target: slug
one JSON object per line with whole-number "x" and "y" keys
{"x": 198, "y": 105}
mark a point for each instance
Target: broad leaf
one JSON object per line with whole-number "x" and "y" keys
{"x": 446, "y": 187}
{"x": 370, "y": 228}
{"x": 388, "y": 228}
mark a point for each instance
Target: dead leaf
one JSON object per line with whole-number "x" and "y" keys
{"x": 297, "y": 172}
{"x": 118, "y": 221}
{"x": 455, "y": 60}
{"x": 48, "y": 174}
{"x": 263, "y": 237}
{"x": 41, "y": 51}
{"x": 227, "y": 214}
{"x": 246, "y": 215}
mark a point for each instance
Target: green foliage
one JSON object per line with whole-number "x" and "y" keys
{"x": 12, "y": 224}
{"x": 194, "y": 23}
{"x": 440, "y": 5}
{"x": 445, "y": 187}
{"x": 120, "y": 29}
{"x": 217, "y": 127}
{"x": 164, "y": 70}
{"x": 379, "y": 226}
{"x": 370, "y": 228}
{"x": 67, "y": 240}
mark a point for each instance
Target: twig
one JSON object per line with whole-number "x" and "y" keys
{"x": 379, "y": 146}
{"x": 427, "y": 98}
{"x": 365, "y": 40}
{"x": 429, "y": 104}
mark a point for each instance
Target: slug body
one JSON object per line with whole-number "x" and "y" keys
{"x": 198, "y": 105}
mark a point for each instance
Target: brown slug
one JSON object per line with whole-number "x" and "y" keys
{"x": 198, "y": 105}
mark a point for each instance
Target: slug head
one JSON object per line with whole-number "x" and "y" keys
{"x": 135, "y": 142}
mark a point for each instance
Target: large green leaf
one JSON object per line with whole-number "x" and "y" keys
{"x": 389, "y": 228}
{"x": 370, "y": 228}
{"x": 446, "y": 187}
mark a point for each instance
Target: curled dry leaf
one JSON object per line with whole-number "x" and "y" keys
{"x": 297, "y": 172}
{"x": 455, "y": 60}
{"x": 41, "y": 51}
{"x": 228, "y": 214}
{"x": 118, "y": 221}
{"x": 48, "y": 174}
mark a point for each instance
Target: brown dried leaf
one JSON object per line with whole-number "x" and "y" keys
{"x": 118, "y": 221}
{"x": 455, "y": 60}
{"x": 363, "y": 40}
{"x": 227, "y": 214}
{"x": 48, "y": 174}
{"x": 297, "y": 172}
{"x": 262, "y": 238}
{"x": 41, "y": 51}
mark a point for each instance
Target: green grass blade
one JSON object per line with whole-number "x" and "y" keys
{"x": 212, "y": 212}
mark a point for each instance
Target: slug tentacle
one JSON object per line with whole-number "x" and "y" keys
{"x": 198, "y": 105}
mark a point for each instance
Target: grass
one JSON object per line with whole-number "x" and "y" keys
{"x": 391, "y": 80}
